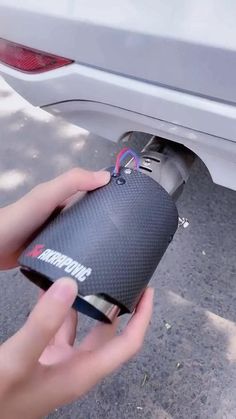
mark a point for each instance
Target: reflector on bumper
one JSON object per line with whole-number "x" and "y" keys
{"x": 29, "y": 60}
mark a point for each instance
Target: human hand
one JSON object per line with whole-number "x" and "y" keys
{"x": 20, "y": 220}
{"x": 40, "y": 369}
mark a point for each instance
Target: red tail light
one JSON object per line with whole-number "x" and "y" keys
{"x": 27, "y": 59}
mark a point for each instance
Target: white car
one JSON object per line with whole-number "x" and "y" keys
{"x": 166, "y": 68}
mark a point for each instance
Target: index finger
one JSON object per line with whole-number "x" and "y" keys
{"x": 122, "y": 347}
{"x": 87, "y": 368}
{"x": 21, "y": 219}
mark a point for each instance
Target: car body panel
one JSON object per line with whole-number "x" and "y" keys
{"x": 186, "y": 45}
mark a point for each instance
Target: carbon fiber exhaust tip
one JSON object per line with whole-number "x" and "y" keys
{"x": 110, "y": 242}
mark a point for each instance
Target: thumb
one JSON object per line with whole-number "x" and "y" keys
{"x": 44, "y": 321}
{"x": 21, "y": 219}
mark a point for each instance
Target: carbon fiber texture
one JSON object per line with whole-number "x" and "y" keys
{"x": 120, "y": 231}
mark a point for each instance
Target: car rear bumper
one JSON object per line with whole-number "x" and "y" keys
{"x": 79, "y": 82}
{"x": 112, "y": 105}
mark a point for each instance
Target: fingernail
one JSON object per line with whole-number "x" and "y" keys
{"x": 103, "y": 176}
{"x": 64, "y": 289}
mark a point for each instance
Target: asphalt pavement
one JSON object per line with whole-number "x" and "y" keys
{"x": 187, "y": 368}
